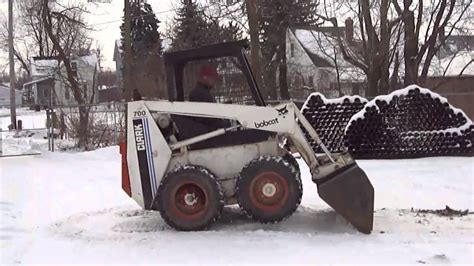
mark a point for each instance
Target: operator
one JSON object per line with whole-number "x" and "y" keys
{"x": 208, "y": 78}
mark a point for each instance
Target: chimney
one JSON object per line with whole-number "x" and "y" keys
{"x": 349, "y": 30}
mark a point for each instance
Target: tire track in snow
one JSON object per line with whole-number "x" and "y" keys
{"x": 118, "y": 224}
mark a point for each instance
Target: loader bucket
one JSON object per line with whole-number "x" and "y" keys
{"x": 349, "y": 192}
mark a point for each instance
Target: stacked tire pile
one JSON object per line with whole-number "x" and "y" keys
{"x": 409, "y": 123}
{"x": 330, "y": 117}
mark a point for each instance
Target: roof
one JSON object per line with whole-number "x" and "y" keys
{"x": 47, "y": 66}
{"x": 206, "y": 52}
{"x": 319, "y": 44}
{"x": 334, "y": 31}
{"x": 456, "y": 43}
{"x": 453, "y": 65}
{"x": 37, "y": 81}
{"x": 317, "y": 60}
{"x": 44, "y": 66}
{"x": 90, "y": 60}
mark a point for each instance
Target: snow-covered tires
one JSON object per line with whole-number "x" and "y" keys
{"x": 269, "y": 189}
{"x": 190, "y": 198}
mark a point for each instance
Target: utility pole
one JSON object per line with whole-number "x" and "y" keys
{"x": 127, "y": 81}
{"x": 252, "y": 6}
{"x": 12, "y": 64}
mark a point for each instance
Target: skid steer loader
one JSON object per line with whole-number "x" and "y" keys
{"x": 188, "y": 175}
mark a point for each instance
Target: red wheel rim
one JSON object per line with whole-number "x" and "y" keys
{"x": 269, "y": 191}
{"x": 189, "y": 200}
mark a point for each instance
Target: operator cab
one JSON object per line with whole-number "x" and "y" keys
{"x": 236, "y": 85}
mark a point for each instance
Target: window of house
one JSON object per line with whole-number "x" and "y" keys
{"x": 66, "y": 94}
{"x": 292, "y": 50}
{"x": 311, "y": 81}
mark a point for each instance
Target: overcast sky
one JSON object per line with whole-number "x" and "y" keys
{"x": 106, "y": 19}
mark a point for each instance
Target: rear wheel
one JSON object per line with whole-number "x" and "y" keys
{"x": 190, "y": 198}
{"x": 269, "y": 189}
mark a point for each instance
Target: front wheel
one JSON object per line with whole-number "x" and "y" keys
{"x": 269, "y": 189}
{"x": 190, "y": 198}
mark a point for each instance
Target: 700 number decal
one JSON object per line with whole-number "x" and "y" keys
{"x": 139, "y": 113}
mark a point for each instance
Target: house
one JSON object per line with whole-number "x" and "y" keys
{"x": 5, "y": 96}
{"x": 49, "y": 84}
{"x": 451, "y": 72}
{"x": 455, "y": 43}
{"x": 315, "y": 64}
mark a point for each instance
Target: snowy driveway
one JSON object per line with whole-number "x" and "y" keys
{"x": 69, "y": 208}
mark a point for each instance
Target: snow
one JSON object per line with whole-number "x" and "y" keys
{"x": 30, "y": 119}
{"x": 452, "y": 65}
{"x": 48, "y": 67}
{"x": 405, "y": 91}
{"x": 90, "y": 60}
{"x": 69, "y": 208}
{"x": 13, "y": 143}
{"x": 340, "y": 100}
{"x": 44, "y": 67}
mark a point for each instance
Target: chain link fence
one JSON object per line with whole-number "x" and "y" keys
{"x": 57, "y": 128}
{"x": 106, "y": 124}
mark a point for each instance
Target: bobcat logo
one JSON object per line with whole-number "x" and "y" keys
{"x": 283, "y": 111}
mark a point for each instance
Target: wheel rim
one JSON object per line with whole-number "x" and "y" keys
{"x": 268, "y": 191}
{"x": 189, "y": 201}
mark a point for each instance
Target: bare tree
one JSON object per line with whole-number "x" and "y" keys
{"x": 32, "y": 39}
{"x": 60, "y": 23}
{"x": 374, "y": 51}
{"x": 427, "y": 26}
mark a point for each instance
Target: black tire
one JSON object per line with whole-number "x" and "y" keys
{"x": 190, "y": 198}
{"x": 269, "y": 189}
{"x": 289, "y": 158}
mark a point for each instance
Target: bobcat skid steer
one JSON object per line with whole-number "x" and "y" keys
{"x": 170, "y": 164}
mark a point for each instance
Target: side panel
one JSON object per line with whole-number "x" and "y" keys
{"x": 226, "y": 162}
{"x": 148, "y": 154}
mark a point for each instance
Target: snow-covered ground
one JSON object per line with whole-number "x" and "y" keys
{"x": 69, "y": 208}
{"x": 30, "y": 141}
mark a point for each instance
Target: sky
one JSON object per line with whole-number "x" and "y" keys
{"x": 106, "y": 19}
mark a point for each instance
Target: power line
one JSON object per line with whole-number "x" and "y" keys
{"x": 141, "y": 16}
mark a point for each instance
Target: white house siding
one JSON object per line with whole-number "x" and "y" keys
{"x": 301, "y": 69}
{"x": 87, "y": 71}
{"x": 323, "y": 71}
{"x": 5, "y": 97}
{"x": 87, "y": 76}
